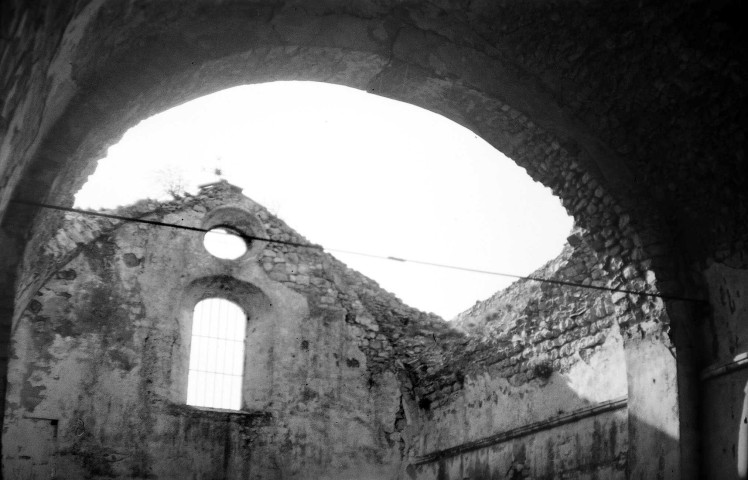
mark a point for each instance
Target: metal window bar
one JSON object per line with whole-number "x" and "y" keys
{"x": 216, "y": 355}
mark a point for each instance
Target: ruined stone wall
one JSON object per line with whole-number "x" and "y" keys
{"x": 343, "y": 374}
{"x": 542, "y": 389}
{"x": 98, "y": 369}
{"x": 28, "y": 44}
{"x": 639, "y": 102}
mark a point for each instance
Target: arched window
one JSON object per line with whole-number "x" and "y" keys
{"x": 216, "y": 355}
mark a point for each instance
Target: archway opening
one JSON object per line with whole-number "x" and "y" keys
{"x": 353, "y": 172}
{"x": 94, "y": 101}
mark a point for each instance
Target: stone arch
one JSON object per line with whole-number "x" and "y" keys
{"x": 119, "y": 63}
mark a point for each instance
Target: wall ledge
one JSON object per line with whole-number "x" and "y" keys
{"x": 739, "y": 362}
{"x": 553, "y": 422}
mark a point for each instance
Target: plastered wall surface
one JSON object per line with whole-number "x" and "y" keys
{"x": 547, "y": 353}
{"x": 725, "y": 355}
{"x": 341, "y": 379}
{"x": 631, "y": 113}
{"x": 98, "y": 377}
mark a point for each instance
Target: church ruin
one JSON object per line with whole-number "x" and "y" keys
{"x": 339, "y": 379}
{"x": 632, "y": 113}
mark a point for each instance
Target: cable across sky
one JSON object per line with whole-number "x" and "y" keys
{"x": 349, "y": 252}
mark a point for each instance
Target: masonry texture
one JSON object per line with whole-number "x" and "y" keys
{"x": 538, "y": 355}
{"x": 633, "y": 113}
{"x": 341, "y": 380}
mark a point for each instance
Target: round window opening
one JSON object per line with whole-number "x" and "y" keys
{"x": 223, "y": 242}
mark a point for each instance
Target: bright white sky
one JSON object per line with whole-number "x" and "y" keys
{"x": 352, "y": 171}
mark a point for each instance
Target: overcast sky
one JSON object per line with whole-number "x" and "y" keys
{"x": 352, "y": 171}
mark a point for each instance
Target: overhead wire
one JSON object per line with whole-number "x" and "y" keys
{"x": 349, "y": 252}
{"x": 159, "y": 224}
{"x": 524, "y": 277}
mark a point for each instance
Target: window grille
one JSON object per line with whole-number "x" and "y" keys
{"x": 216, "y": 355}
